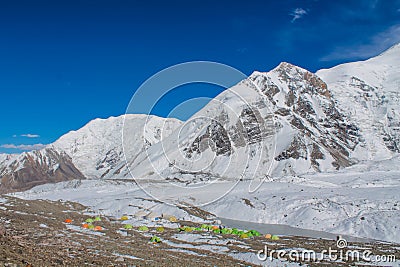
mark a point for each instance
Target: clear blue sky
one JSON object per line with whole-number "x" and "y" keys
{"x": 63, "y": 63}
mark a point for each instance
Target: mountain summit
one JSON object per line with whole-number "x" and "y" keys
{"x": 369, "y": 93}
{"x": 278, "y": 123}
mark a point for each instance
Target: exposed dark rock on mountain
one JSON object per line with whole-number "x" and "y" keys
{"x": 35, "y": 168}
{"x": 287, "y": 121}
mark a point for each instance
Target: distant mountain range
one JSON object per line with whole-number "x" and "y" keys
{"x": 287, "y": 121}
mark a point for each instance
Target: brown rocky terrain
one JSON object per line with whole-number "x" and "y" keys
{"x": 35, "y": 168}
{"x": 33, "y": 233}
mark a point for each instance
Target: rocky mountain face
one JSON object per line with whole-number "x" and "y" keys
{"x": 287, "y": 121}
{"x": 93, "y": 152}
{"x": 323, "y": 133}
{"x": 277, "y": 123}
{"x": 368, "y": 92}
{"x": 24, "y": 171}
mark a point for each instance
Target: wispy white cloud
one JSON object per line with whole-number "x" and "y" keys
{"x": 377, "y": 44}
{"x": 30, "y": 135}
{"x": 242, "y": 50}
{"x": 23, "y": 147}
{"x": 298, "y": 13}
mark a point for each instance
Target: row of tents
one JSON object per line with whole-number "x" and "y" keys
{"x": 93, "y": 224}
{"x": 209, "y": 228}
{"x": 218, "y": 229}
{"x": 153, "y": 217}
{"x": 89, "y": 223}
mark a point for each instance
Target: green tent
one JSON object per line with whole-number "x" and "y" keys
{"x": 217, "y": 231}
{"x": 160, "y": 229}
{"x": 143, "y": 228}
{"x": 89, "y": 220}
{"x": 155, "y": 239}
{"x": 97, "y": 219}
{"x": 128, "y": 226}
{"x": 224, "y": 231}
{"x": 254, "y": 233}
{"x": 240, "y": 233}
{"x": 274, "y": 237}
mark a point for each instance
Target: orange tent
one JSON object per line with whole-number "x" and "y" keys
{"x": 98, "y": 228}
{"x": 68, "y": 221}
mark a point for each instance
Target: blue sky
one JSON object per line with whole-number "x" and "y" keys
{"x": 64, "y": 63}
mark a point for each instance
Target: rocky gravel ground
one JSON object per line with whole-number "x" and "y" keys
{"x": 34, "y": 233}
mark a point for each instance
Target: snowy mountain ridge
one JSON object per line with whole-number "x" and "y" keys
{"x": 278, "y": 123}
{"x": 96, "y": 148}
{"x": 94, "y": 151}
{"x": 26, "y": 170}
{"x": 369, "y": 93}
{"x": 284, "y": 122}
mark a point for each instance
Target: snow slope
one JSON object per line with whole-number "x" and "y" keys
{"x": 329, "y": 149}
{"x": 276, "y": 123}
{"x": 287, "y": 121}
{"x": 357, "y": 202}
{"x": 369, "y": 93}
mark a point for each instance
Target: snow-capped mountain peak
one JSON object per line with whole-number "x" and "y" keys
{"x": 287, "y": 121}
{"x": 369, "y": 94}
{"x": 274, "y": 123}
{"x": 96, "y": 149}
